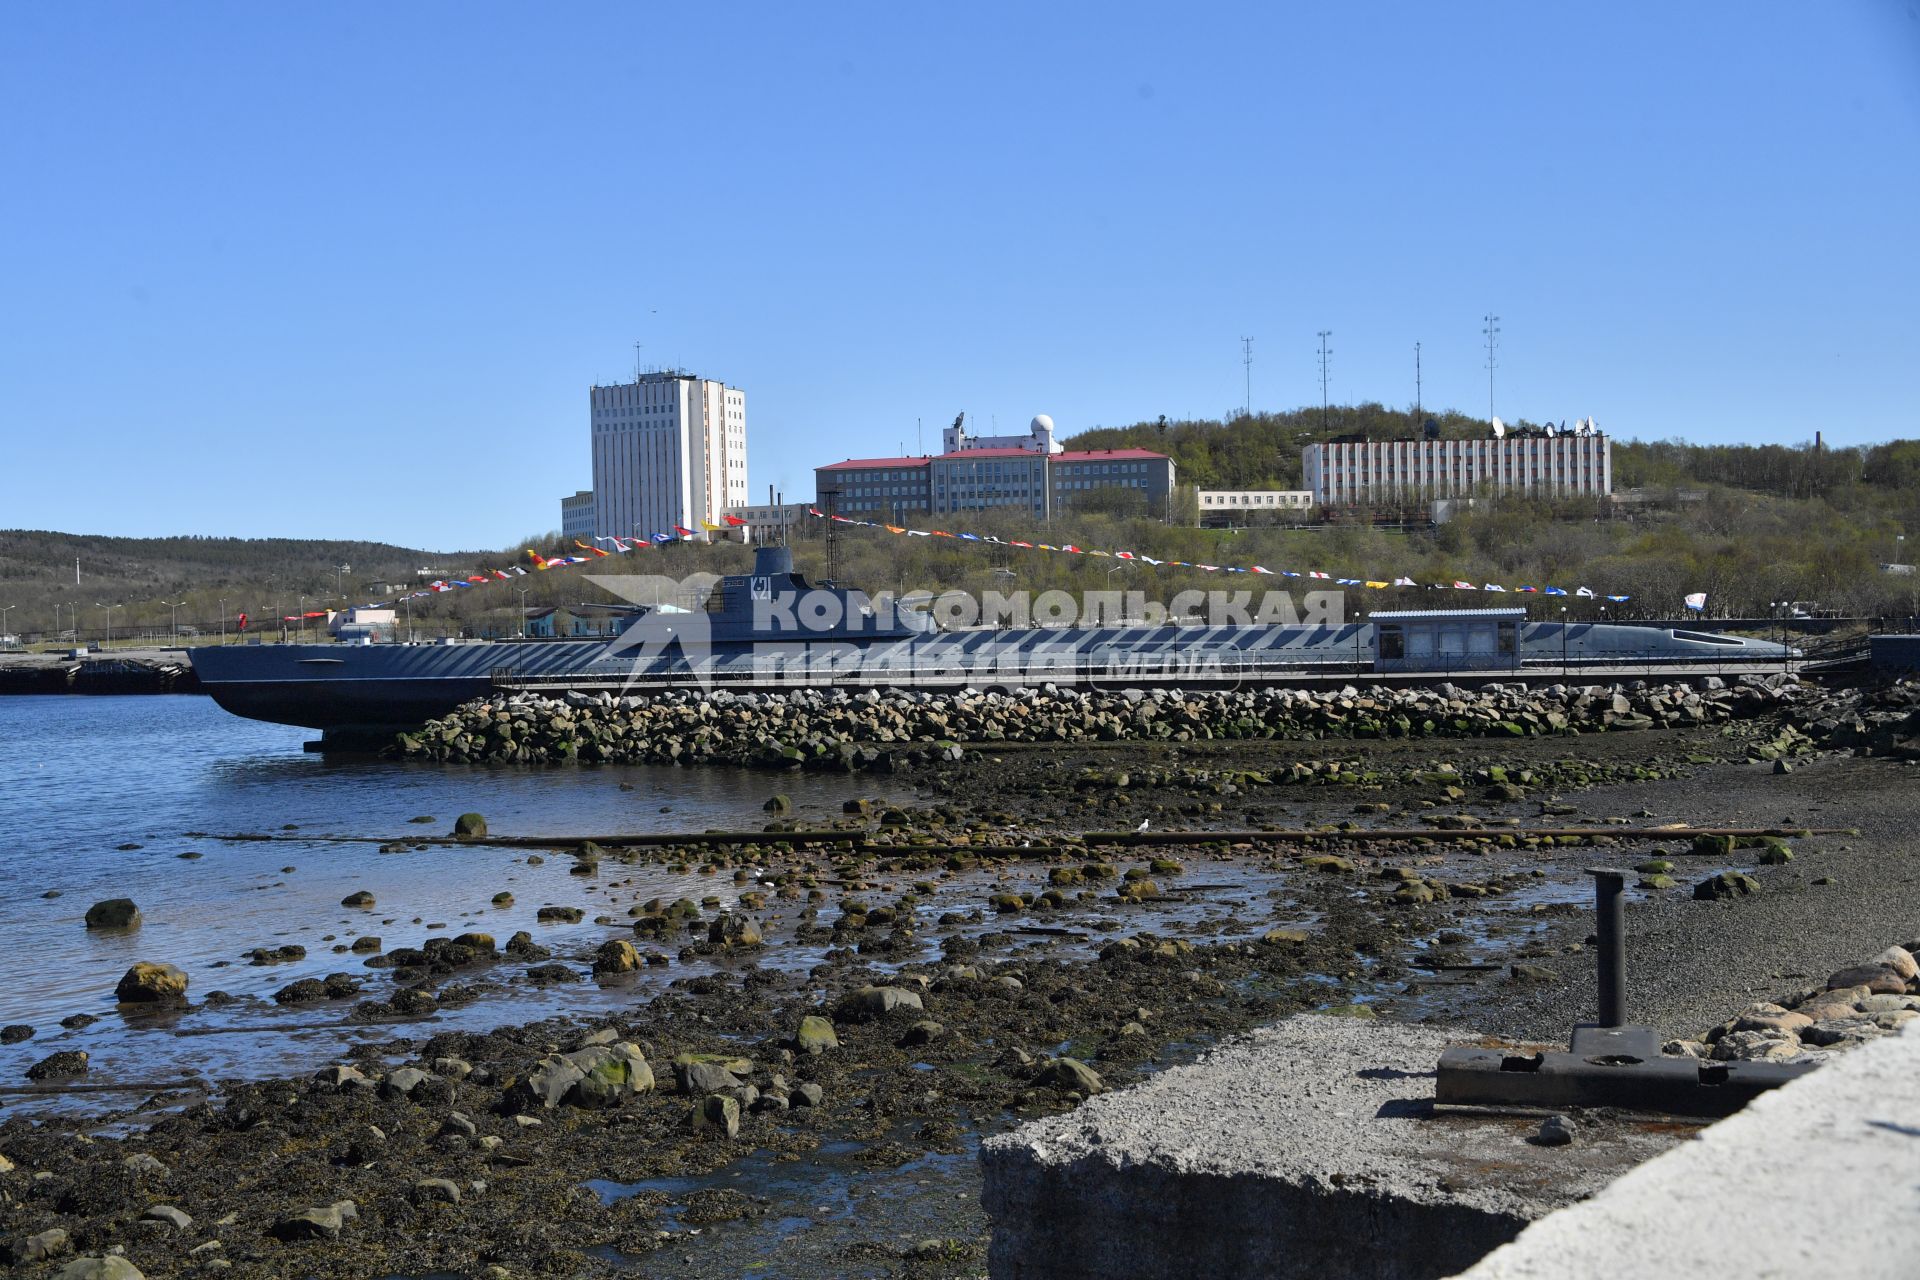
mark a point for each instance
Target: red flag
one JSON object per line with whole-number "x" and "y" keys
{"x": 734, "y": 520}
{"x": 243, "y": 622}
{"x": 684, "y": 532}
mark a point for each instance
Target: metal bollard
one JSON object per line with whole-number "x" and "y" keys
{"x": 1610, "y": 918}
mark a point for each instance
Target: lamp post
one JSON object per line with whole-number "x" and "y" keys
{"x": 108, "y": 610}
{"x": 523, "y": 611}
{"x": 5, "y": 609}
{"x": 1563, "y": 642}
{"x": 302, "y": 620}
{"x": 338, "y": 571}
{"x": 223, "y": 620}
{"x": 173, "y": 627}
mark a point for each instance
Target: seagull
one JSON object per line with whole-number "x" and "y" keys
{"x": 1142, "y": 828}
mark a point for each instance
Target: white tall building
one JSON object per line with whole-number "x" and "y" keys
{"x": 668, "y": 449}
{"x": 1534, "y": 463}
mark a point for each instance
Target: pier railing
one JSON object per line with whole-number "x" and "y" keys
{"x": 1192, "y": 669}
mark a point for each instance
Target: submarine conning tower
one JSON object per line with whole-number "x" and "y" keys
{"x": 772, "y": 561}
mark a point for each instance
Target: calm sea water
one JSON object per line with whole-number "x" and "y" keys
{"x": 82, "y": 776}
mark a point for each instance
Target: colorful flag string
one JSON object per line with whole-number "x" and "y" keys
{"x": 1375, "y": 583}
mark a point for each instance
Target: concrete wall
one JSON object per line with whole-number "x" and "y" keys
{"x": 1305, "y": 1150}
{"x": 1819, "y": 1178}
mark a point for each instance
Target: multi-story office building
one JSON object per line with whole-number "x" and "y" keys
{"x": 668, "y": 449}
{"x": 576, "y": 515}
{"x": 891, "y": 488}
{"x": 1037, "y": 483}
{"x": 1538, "y": 464}
{"x": 1073, "y": 476}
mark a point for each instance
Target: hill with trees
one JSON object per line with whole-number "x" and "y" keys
{"x": 1751, "y": 525}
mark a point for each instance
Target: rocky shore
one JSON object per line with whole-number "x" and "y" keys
{"x": 1854, "y": 1006}
{"x": 835, "y": 729}
{"x": 859, "y": 1012}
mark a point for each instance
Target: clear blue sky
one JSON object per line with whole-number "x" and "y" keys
{"x": 348, "y": 270}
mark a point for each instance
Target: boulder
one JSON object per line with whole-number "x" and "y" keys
{"x": 402, "y": 1083}
{"x": 616, "y": 955}
{"x": 735, "y": 929}
{"x": 869, "y": 1003}
{"x": 1069, "y": 1075}
{"x": 113, "y": 913}
{"x": 40, "y": 1246}
{"x": 1901, "y": 961}
{"x": 701, "y": 1073}
{"x": 610, "y": 1074}
{"x": 470, "y": 824}
{"x": 1878, "y": 979}
{"x": 925, "y": 1031}
{"x": 150, "y": 982}
{"x": 1728, "y": 884}
{"x": 544, "y": 1086}
{"x": 105, "y": 1267}
{"x": 321, "y": 1222}
{"x": 816, "y": 1035}
{"x": 59, "y": 1066}
{"x": 444, "y": 1190}
{"x": 358, "y": 898}
{"x": 718, "y": 1113}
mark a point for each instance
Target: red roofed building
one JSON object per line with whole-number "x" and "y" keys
{"x": 1040, "y": 484}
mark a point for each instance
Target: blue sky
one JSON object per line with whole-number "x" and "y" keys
{"x": 349, "y": 270}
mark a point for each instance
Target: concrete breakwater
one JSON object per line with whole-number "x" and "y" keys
{"x": 840, "y": 730}
{"x": 138, "y": 671}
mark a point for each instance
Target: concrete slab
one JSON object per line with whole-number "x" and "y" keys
{"x": 1308, "y": 1149}
{"x": 1818, "y": 1178}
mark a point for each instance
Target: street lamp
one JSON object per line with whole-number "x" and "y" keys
{"x": 303, "y": 619}
{"x": 345, "y": 568}
{"x": 174, "y": 626}
{"x": 523, "y": 611}
{"x": 223, "y": 620}
{"x": 108, "y": 610}
{"x": 4, "y": 611}
{"x": 1563, "y": 641}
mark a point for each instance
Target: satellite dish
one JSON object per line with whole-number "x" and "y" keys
{"x": 1499, "y": 429}
{"x": 1550, "y": 431}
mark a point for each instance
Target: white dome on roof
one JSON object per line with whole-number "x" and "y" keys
{"x": 1042, "y": 422}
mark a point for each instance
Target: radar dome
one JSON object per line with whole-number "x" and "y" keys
{"x": 1042, "y": 423}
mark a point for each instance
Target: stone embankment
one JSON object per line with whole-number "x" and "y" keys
{"x": 1854, "y": 1006}
{"x": 841, "y": 730}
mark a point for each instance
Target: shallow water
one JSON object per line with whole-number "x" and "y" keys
{"x": 84, "y": 776}
{"x": 81, "y": 776}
